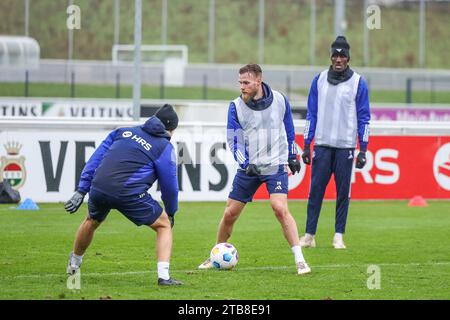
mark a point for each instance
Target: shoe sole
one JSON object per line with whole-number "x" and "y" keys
{"x": 338, "y": 246}
{"x": 304, "y": 272}
{"x": 204, "y": 268}
{"x": 312, "y": 245}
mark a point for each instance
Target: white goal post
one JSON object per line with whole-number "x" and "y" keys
{"x": 174, "y": 59}
{"x": 124, "y": 53}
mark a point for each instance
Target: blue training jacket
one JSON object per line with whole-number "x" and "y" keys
{"x": 130, "y": 160}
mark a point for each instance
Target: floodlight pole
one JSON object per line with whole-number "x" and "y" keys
{"x": 422, "y": 34}
{"x": 70, "y": 40}
{"x": 137, "y": 60}
{"x": 312, "y": 33}
{"x": 366, "y": 35}
{"x": 261, "y": 31}
{"x": 164, "y": 22}
{"x": 27, "y": 17}
{"x": 339, "y": 17}
{"x": 69, "y": 49}
{"x": 116, "y": 21}
{"x": 211, "y": 30}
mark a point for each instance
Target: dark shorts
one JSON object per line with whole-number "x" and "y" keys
{"x": 140, "y": 211}
{"x": 244, "y": 187}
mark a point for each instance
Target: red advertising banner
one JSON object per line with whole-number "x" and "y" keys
{"x": 398, "y": 167}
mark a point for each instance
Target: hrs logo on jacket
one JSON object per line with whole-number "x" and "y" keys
{"x": 139, "y": 140}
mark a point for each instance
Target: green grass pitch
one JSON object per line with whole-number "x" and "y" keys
{"x": 409, "y": 245}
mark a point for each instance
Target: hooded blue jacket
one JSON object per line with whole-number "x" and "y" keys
{"x": 130, "y": 160}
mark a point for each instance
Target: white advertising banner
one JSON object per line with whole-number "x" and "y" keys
{"x": 43, "y": 160}
{"x": 111, "y": 109}
{"x": 45, "y": 163}
{"x": 76, "y": 108}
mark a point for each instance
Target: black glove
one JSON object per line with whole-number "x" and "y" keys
{"x": 361, "y": 160}
{"x": 74, "y": 203}
{"x": 252, "y": 170}
{"x": 172, "y": 220}
{"x": 294, "y": 165}
{"x": 306, "y": 156}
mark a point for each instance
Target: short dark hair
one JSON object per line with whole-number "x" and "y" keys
{"x": 252, "y": 68}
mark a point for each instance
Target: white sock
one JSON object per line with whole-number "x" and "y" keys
{"x": 163, "y": 270}
{"x": 338, "y": 236}
{"x": 76, "y": 259}
{"x": 298, "y": 255}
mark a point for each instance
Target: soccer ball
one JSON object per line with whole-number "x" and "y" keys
{"x": 224, "y": 256}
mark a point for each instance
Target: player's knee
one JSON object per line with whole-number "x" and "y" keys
{"x": 92, "y": 223}
{"x": 279, "y": 208}
{"x": 230, "y": 216}
{"x": 162, "y": 222}
{"x": 165, "y": 221}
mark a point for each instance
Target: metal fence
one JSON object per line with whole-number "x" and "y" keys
{"x": 287, "y": 79}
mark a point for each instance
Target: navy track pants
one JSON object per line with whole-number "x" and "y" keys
{"x": 327, "y": 161}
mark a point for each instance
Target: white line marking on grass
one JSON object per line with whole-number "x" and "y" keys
{"x": 324, "y": 266}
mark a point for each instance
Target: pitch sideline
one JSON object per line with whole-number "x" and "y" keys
{"x": 326, "y": 266}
